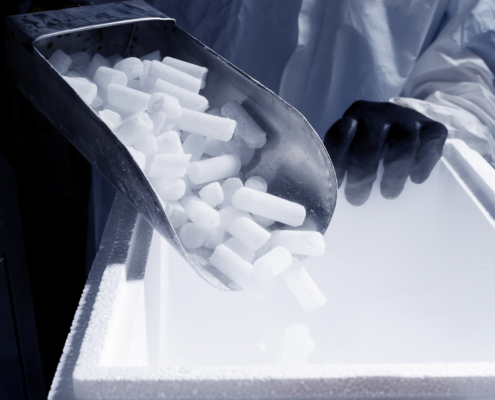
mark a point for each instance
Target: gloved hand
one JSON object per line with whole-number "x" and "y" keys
{"x": 410, "y": 144}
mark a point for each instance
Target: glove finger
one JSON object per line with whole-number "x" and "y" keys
{"x": 364, "y": 157}
{"x": 338, "y": 140}
{"x": 403, "y": 144}
{"x": 432, "y": 139}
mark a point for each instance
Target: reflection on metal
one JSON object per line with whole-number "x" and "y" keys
{"x": 294, "y": 162}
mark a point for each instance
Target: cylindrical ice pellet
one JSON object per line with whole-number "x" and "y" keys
{"x": 86, "y": 90}
{"x": 201, "y": 213}
{"x": 147, "y": 82}
{"x": 186, "y": 98}
{"x": 127, "y": 98}
{"x": 96, "y": 62}
{"x": 303, "y": 287}
{"x": 212, "y": 194}
{"x": 256, "y": 183}
{"x": 165, "y": 103}
{"x": 216, "y": 148}
{"x": 241, "y": 226}
{"x": 263, "y": 221}
{"x": 169, "y": 143}
{"x": 158, "y": 119}
{"x": 191, "y": 236}
{"x": 230, "y": 186}
{"x": 168, "y": 165}
{"x": 308, "y": 243}
{"x": 214, "y": 169}
{"x": 214, "y": 238}
{"x": 169, "y": 188}
{"x": 146, "y": 144}
{"x": 194, "y": 70}
{"x": 272, "y": 264}
{"x": 240, "y": 248}
{"x": 178, "y": 215}
{"x": 206, "y": 125}
{"x": 139, "y": 157}
{"x": 194, "y": 145}
{"x": 60, "y": 61}
{"x": 104, "y": 76}
{"x": 239, "y": 270}
{"x": 247, "y": 128}
{"x": 133, "y": 128}
{"x": 132, "y": 67}
{"x": 269, "y": 206}
{"x": 111, "y": 118}
{"x": 174, "y": 76}
{"x": 80, "y": 62}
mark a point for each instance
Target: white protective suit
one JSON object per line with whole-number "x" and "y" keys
{"x": 435, "y": 56}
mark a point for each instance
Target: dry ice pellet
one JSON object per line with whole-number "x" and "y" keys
{"x": 193, "y": 158}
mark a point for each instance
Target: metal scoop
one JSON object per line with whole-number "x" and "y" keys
{"x": 294, "y": 161}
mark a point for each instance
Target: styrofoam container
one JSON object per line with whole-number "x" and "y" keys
{"x": 410, "y": 285}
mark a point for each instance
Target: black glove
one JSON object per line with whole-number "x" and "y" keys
{"x": 410, "y": 144}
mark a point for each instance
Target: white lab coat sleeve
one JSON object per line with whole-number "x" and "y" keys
{"x": 453, "y": 81}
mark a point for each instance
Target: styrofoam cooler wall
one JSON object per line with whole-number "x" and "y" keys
{"x": 410, "y": 285}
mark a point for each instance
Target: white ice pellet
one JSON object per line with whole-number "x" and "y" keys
{"x": 256, "y": 183}
{"x": 168, "y": 165}
{"x": 238, "y": 270}
{"x": 168, "y": 126}
{"x": 308, "y": 243}
{"x": 194, "y": 70}
{"x": 169, "y": 143}
{"x": 201, "y": 213}
{"x": 158, "y": 119}
{"x": 127, "y": 98}
{"x": 139, "y": 157}
{"x": 297, "y": 344}
{"x": 303, "y": 287}
{"x": 146, "y": 144}
{"x": 96, "y": 62}
{"x": 134, "y": 84}
{"x": 263, "y": 221}
{"x": 169, "y": 188}
{"x": 194, "y": 145}
{"x": 215, "y": 111}
{"x": 269, "y": 206}
{"x": 247, "y": 128}
{"x": 187, "y": 99}
{"x": 272, "y": 264}
{"x": 178, "y": 216}
{"x": 97, "y": 102}
{"x": 112, "y": 60}
{"x": 133, "y": 128}
{"x": 240, "y": 248}
{"x": 165, "y": 103}
{"x": 174, "y": 76}
{"x": 105, "y": 76}
{"x": 229, "y": 187}
{"x": 216, "y": 147}
{"x": 214, "y": 237}
{"x": 131, "y": 66}
{"x": 86, "y": 90}
{"x": 214, "y": 169}
{"x": 154, "y": 55}
{"x": 60, "y": 61}
{"x": 111, "y": 118}
{"x": 262, "y": 250}
{"x": 241, "y": 226}
{"x": 206, "y": 125}
{"x": 191, "y": 236}
{"x": 212, "y": 194}
{"x": 80, "y": 62}
{"x": 146, "y": 82}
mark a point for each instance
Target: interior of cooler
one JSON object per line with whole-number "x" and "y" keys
{"x": 407, "y": 281}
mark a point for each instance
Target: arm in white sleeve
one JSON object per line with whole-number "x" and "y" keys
{"x": 453, "y": 81}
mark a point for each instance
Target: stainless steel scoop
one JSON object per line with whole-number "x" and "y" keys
{"x": 294, "y": 161}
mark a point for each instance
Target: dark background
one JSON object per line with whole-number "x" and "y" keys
{"x": 53, "y": 182}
